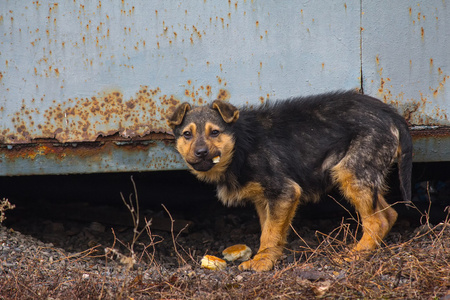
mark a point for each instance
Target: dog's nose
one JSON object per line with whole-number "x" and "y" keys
{"x": 201, "y": 152}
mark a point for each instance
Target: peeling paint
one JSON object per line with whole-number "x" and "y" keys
{"x": 85, "y": 119}
{"x": 105, "y": 114}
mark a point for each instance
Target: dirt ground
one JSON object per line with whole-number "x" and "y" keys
{"x": 76, "y": 243}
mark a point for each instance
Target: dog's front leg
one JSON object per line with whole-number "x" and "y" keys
{"x": 275, "y": 218}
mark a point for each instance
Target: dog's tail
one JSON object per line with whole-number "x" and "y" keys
{"x": 404, "y": 156}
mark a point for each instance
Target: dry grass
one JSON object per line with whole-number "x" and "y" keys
{"x": 411, "y": 265}
{"x": 416, "y": 268}
{"x": 4, "y": 206}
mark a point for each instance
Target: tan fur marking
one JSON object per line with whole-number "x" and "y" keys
{"x": 185, "y": 146}
{"x": 399, "y": 151}
{"x": 250, "y": 191}
{"x": 399, "y": 148}
{"x": 376, "y": 222}
{"x": 210, "y": 127}
{"x": 275, "y": 221}
{"x": 395, "y": 132}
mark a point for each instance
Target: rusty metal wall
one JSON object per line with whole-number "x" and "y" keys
{"x": 85, "y": 86}
{"x": 406, "y": 62}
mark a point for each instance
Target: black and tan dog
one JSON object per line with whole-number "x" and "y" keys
{"x": 291, "y": 152}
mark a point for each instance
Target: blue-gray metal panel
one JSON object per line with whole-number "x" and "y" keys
{"x": 406, "y": 62}
{"x": 434, "y": 146}
{"x": 75, "y": 71}
{"x": 72, "y": 158}
{"x": 405, "y": 57}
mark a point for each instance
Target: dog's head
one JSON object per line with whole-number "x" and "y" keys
{"x": 204, "y": 137}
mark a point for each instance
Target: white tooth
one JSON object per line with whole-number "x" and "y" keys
{"x": 216, "y": 159}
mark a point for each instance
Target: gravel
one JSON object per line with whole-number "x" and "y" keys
{"x": 45, "y": 256}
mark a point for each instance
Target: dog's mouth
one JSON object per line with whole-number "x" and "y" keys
{"x": 205, "y": 164}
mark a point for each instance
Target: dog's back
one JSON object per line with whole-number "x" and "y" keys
{"x": 304, "y": 138}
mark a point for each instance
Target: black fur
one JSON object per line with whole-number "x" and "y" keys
{"x": 293, "y": 138}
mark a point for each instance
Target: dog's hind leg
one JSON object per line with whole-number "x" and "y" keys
{"x": 275, "y": 217}
{"x": 377, "y": 216}
{"x": 376, "y": 222}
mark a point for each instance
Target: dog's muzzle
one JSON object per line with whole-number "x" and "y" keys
{"x": 204, "y": 160}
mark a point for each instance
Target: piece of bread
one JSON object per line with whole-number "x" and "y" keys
{"x": 213, "y": 263}
{"x": 237, "y": 252}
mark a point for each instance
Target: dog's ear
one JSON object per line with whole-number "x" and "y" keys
{"x": 229, "y": 113}
{"x": 178, "y": 115}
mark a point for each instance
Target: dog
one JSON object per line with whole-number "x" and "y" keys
{"x": 291, "y": 152}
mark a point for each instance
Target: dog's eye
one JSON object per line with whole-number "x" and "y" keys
{"x": 187, "y": 135}
{"x": 215, "y": 133}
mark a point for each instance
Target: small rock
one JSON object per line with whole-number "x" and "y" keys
{"x": 95, "y": 226}
{"x": 54, "y": 227}
{"x": 320, "y": 288}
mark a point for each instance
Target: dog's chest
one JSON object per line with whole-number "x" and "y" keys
{"x": 235, "y": 194}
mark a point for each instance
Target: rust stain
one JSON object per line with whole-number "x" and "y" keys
{"x": 409, "y": 111}
{"x": 440, "y": 132}
{"x": 50, "y": 149}
{"x": 419, "y": 111}
{"x": 200, "y": 95}
{"x": 197, "y": 32}
{"x": 415, "y": 110}
{"x": 223, "y": 95}
{"x": 96, "y": 119}
{"x": 381, "y": 89}
{"x": 379, "y": 69}
{"x": 208, "y": 90}
{"x": 85, "y": 119}
{"x": 441, "y": 84}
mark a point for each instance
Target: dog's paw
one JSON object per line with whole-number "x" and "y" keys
{"x": 259, "y": 263}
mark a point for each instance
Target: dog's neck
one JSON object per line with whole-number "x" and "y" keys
{"x": 228, "y": 190}
{"x": 228, "y": 187}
